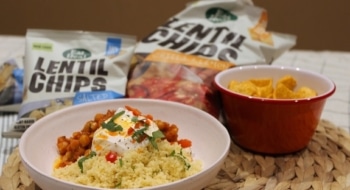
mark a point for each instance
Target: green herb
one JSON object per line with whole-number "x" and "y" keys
{"x": 81, "y": 160}
{"x": 120, "y": 162}
{"x": 117, "y": 115}
{"x": 181, "y": 157}
{"x": 118, "y": 184}
{"x": 134, "y": 119}
{"x": 111, "y": 126}
{"x": 156, "y": 135}
{"x": 139, "y": 134}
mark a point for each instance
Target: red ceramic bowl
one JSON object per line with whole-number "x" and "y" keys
{"x": 272, "y": 126}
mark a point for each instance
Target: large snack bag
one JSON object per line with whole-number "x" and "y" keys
{"x": 11, "y": 84}
{"x": 11, "y": 72}
{"x": 65, "y": 68}
{"x": 225, "y": 32}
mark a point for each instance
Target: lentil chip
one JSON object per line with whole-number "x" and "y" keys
{"x": 14, "y": 176}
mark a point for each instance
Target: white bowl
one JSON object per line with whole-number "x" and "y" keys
{"x": 210, "y": 139}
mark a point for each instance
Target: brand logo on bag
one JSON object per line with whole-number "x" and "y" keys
{"x": 77, "y": 54}
{"x": 217, "y": 15}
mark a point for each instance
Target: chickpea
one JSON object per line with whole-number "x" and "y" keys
{"x": 74, "y": 145}
{"x": 61, "y": 138}
{"x": 67, "y": 157}
{"x": 79, "y": 152}
{"x": 76, "y": 135}
{"x": 172, "y": 133}
{"x": 98, "y": 117}
{"x": 162, "y": 125}
{"x": 84, "y": 140}
{"x": 62, "y": 147}
{"x": 94, "y": 126}
{"x": 89, "y": 126}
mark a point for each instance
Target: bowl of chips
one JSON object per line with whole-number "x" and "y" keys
{"x": 272, "y": 109}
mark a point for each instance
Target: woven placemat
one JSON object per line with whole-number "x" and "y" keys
{"x": 323, "y": 164}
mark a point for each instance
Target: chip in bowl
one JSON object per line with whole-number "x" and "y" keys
{"x": 285, "y": 88}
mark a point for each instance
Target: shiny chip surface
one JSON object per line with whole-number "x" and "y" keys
{"x": 285, "y": 88}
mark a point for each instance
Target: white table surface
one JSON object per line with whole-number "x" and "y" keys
{"x": 335, "y": 65}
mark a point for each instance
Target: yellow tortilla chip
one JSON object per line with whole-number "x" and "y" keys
{"x": 245, "y": 87}
{"x": 262, "y": 82}
{"x": 283, "y": 92}
{"x": 265, "y": 92}
{"x": 263, "y": 88}
{"x": 305, "y": 92}
{"x": 288, "y": 81}
{"x": 232, "y": 84}
{"x": 259, "y": 33}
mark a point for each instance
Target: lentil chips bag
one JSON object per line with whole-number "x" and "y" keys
{"x": 65, "y": 68}
{"x": 11, "y": 72}
{"x": 180, "y": 58}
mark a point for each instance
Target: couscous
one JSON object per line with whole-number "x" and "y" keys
{"x": 125, "y": 150}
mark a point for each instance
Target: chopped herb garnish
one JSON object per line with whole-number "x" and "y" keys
{"x": 120, "y": 162}
{"x": 118, "y": 184}
{"x": 117, "y": 115}
{"x": 139, "y": 134}
{"x": 134, "y": 119}
{"x": 156, "y": 135}
{"x": 111, "y": 126}
{"x": 181, "y": 157}
{"x": 80, "y": 161}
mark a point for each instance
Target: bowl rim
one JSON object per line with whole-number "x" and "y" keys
{"x": 226, "y": 91}
{"x": 79, "y": 106}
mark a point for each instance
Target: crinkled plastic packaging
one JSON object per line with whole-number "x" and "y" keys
{"x": 173, "y": 61}
{"x": 11, "y": 85}
{"x": 11, "y": 73}
{"x": 67, "y": 68}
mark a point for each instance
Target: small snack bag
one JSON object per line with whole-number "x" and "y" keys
{"x": 65, "y": 68}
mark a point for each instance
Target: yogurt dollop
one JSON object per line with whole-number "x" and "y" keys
{"x": 123, "y": 132}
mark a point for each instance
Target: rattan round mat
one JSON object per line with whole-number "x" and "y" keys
{"x": 323, "y": 164}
